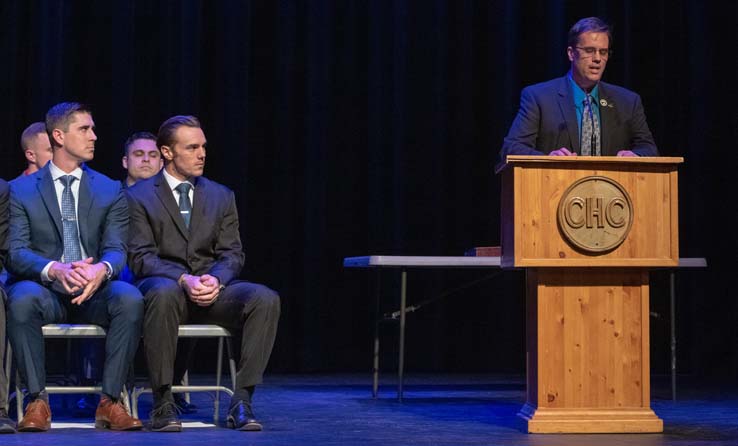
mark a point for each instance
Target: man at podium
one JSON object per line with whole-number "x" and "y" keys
{"x": 578, "y": 114}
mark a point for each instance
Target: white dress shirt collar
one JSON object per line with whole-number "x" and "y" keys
{"x": 57, "y": 172}
{"x": 173, "y": 182}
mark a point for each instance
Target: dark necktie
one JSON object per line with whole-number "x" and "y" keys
{"x": 185, "y": 207}
{"x": 72, "y": 250}
{"x": 590, "y": 130}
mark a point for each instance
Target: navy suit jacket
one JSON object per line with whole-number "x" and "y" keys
{"x": 547, "y": 121}
{"x": 36, "y": 227}
{"x": 4, "y": 201}
{"x": 161, "y": 245}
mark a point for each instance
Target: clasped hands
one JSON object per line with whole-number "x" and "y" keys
{"x": 202, "y": 290}
{"x": 82, "y": 275}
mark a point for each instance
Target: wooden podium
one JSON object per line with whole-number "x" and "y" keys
{"x": 587, "y": 229}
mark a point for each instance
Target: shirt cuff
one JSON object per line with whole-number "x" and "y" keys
{"x": 108, "y": 270}
{"x": 45, "y": 272}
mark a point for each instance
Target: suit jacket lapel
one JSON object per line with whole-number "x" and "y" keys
{"x": 198, "y": 205}
{"x": 569, "y": 113}
{"x": 85, "y": 198}
{"x": 167, "y": 199}
{"x": 48, "y": 195}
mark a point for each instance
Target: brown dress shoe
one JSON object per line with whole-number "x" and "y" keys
{"x": 114, "y": 416}
{"x": 37, "y": 417}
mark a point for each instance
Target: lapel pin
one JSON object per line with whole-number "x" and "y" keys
{"x": 603, "y": 102}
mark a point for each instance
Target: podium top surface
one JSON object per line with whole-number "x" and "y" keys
{"x": 521, "y": 159}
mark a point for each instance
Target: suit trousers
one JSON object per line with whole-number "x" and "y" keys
{"x": 3, "y": 378}
{"x": 117, "y": 306}
{"x": 249, "y": 309}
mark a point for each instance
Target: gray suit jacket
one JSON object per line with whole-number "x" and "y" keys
{"x": 36, "y": 228}
{"x": 161, "y": 245}
{"x": 547, "y": 121}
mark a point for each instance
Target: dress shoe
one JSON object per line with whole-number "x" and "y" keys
{"x": 183, "y": 405}
{"x": 241, "y": 418}
{"x": 7, "y": 426}
{"x": 114, "y": 416}
{"x": 37, "y": 417}
{"x": 164, "y": 418}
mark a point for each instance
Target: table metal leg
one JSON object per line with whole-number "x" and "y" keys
{"x": 672, "y": 308}
{"x": 401, "y": 362}
{"x": 375, "y": 359}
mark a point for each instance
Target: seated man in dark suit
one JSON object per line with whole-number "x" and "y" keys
{"x": 6, "y": 424}
{"x": 185, "y": 251}
{"x": 578, "y": 113}
{"x": 68, "y": 230}
{"x": 142, "y": 160}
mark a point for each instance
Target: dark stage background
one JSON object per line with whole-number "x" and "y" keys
{"x": 357, "y": 127}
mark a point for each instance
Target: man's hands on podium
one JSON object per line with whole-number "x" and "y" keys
{"x": 202, "y": 290}
{"x": 83, "y": 277}
{"x": 563, "y": 152}
{"x": 566, "y": 152}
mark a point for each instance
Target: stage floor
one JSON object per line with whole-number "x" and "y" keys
{"x": 437, "y": 410}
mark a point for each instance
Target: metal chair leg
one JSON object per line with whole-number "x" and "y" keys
{"x": 401, "y": 362}
{"x": 18, "y": 395}
{"x": 375, "y": 358}
{"x": 218, "y": 371}
{"x": 231, "y": 362}
{"x": 186, "y": 382}
{"x": 8, "y": 368}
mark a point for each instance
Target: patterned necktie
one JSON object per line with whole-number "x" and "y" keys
{"x": 185, "y": 207}
{"x": 590, "y": 130}
{"x": 72, "y": 250}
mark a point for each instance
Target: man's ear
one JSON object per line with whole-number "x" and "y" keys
{"x": 570, "y": 53}
{"x": 30, "y": 156}
{"x": 124, "y": 162}
{"x": 58, "y": 136}
{"x": 166, "y": 153}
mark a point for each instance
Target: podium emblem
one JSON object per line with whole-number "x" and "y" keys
{"x": 595, "y": 214}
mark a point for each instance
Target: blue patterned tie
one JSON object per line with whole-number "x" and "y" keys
{"x": 590, "y": 130}
{"x": 72, "y": 250}
{"x": 185, "y": 207}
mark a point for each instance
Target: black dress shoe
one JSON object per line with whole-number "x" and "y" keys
{"x": 7, "y": 426}
{"x": 241, "y": 418}
{"x": 164, "y": 418}
{"x": 183, "y": 405}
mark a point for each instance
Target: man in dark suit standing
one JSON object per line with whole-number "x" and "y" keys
{"x": 578, "y": 113}
{"x": 185, "y": 249}
{"x": 6, "y": 424}
{"x": 68, "y": 230}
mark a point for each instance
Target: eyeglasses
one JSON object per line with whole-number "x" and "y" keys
{"x": 590, "y": 51}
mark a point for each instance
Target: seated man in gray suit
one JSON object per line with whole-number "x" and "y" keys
{"x": 6, "y": 424}
{"x": 185, "y": 251}
{"x": 578, "y": 113}
{"x": 68, "y": 230}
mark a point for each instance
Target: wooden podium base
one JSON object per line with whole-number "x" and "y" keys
{"x": 592, "y": 421}
{"x": 588, "y": 351}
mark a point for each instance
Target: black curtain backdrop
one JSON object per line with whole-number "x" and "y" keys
{"x": 354, "y": 127}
